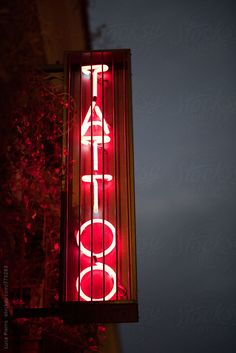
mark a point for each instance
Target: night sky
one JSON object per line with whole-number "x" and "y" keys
{"x": 184, "y": 104}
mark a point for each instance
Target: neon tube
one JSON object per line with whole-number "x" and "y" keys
{"x": 95, "y": 70}
{"x": 87, "y": 124}
{"x": 88, "y": 179}
{"x": 98, "y": 266}
{"x": 97, "y": 139}
{"x": 88, "y": 252}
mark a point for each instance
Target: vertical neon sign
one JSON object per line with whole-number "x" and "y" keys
{"x": 98, "y": 221}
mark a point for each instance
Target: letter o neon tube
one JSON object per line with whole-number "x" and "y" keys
{"x": 98, "y": 266}
{"x": 100, "y": 254}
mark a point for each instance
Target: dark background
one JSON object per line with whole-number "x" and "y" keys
{"x": 184, "y": 100}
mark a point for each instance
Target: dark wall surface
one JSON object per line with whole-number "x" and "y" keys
{"x": 184, "y": 100}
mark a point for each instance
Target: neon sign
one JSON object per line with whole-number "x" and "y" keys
{"x": 94, "y": 118}
{"x": 98, "y": 222}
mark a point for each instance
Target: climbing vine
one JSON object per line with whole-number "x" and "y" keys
{"x": 31, "y": 205}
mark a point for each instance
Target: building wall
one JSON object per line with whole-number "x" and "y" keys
{"x": 63, "y": 27}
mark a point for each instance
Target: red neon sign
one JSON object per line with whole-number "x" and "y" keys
{"x": 98, "y": 224}
{"x": 95, "y": 133}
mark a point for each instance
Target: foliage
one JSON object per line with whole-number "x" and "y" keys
{"x": 33, "y": 185}
{"x": 72, "y": 339}
{"x": 32, "y": 204}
